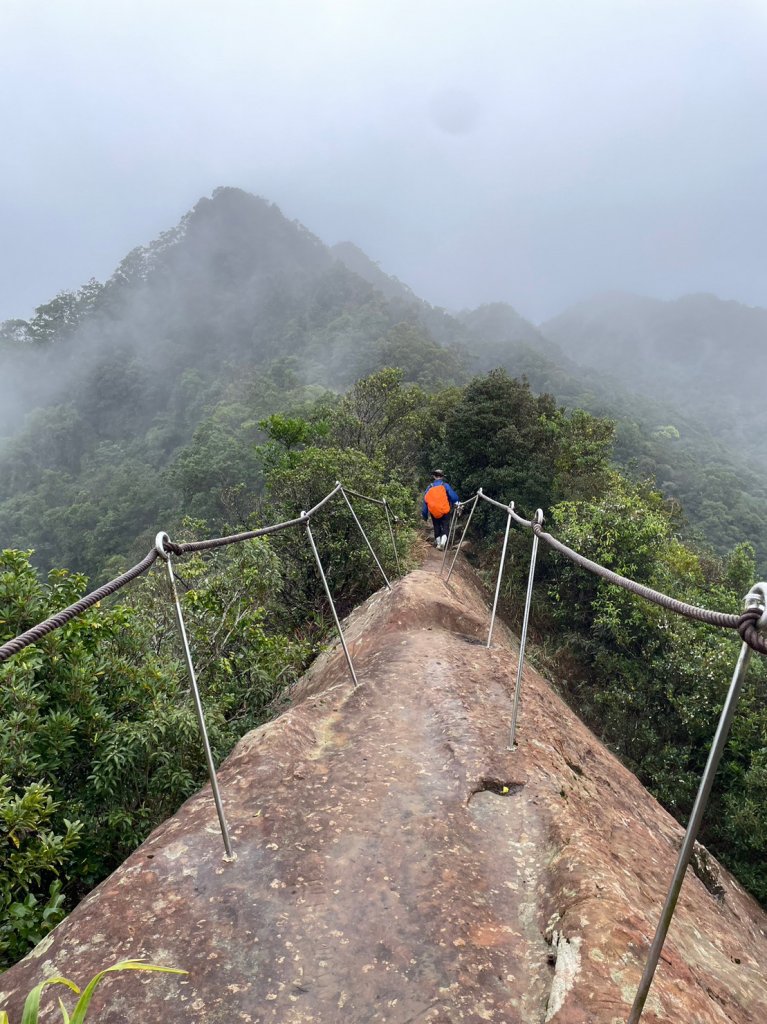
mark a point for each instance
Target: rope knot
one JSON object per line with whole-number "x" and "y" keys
{"x": 749, "y": 630}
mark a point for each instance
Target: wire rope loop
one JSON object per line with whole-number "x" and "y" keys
{"x": 748, "y": 628}
{"x": 160, "y": 545}
{"x": 757, "y": 598}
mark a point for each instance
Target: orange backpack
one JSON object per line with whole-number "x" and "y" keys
{"x": 437, "y": 501}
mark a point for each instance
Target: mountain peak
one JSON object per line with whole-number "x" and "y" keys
{"x": 247, "y": 231}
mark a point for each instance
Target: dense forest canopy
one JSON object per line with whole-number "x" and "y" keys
{"x": 226, "y": 376}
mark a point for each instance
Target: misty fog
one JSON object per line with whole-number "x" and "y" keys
{"x": 526, "y": 152}
{"x": 573, "y": 193}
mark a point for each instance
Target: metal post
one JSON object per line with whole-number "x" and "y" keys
{"x": 754, "y": 599}
{"x": 449, "y": 540}
{"x": 523, "y": 639}
{"x": 160, "y": 546}
{"x": 391, "y": 534}
{"x": 463, "y": 535}
{"x": 370, "y": 546}
{"x": 500, "y": 573}
{"x": 308, "y": 529}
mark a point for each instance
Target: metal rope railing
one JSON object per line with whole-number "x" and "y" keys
{"x": 66, "y": 615}
{"x": 164, "y": 548}
{"x": 748, "y": 625}
{"x": 751, "y": 625}
{"x": 690, "y": 611}
{"x": 37, "y": 632}
{"x": 384, "y": 504}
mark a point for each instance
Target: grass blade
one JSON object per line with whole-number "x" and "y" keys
{"x": 32, "y": 1002}
{"x": 84, "y": 1001}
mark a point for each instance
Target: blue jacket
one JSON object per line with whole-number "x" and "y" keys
{"x": 452, "y": 497}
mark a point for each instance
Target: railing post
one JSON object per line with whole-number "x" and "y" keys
{"x": 755, "y": 598}
{"x": 321, "y": 571}
{"x": 165, "y": 555}
{"x": 523, "y": 639}
{"x": 500, "y": 573}
{"x": 391, "y": 534}
{"x": 365, "y": 536}
{"x": 449, "y": 540}
{"x": 463, "y": 535}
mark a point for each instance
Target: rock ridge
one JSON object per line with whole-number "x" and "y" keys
{"x": 396, "y": 863}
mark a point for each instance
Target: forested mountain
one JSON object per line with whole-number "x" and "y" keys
{"x": 674, "y": 443}
{"x": 233, "y": 283}
{"x": 704, "y": 356}
{"x": 718, "y": 486}
{"x": 142, "y": 395}
{"x": 230, "y": 316}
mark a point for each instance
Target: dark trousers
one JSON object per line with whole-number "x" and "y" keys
{"x": 441, "y": 525}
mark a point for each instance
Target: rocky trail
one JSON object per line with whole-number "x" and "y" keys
{"x": 397, "y": 863}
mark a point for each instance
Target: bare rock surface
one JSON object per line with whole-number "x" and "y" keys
{"x": 396, "y": 863}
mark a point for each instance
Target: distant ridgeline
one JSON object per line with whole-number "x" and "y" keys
{"x": 138, "y": 400}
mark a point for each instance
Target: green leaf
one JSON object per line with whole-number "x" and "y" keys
{"x": 84, "y": 1001}
{"x": 32, "y": 1002}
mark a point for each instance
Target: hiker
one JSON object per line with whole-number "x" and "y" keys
{"x": 438, "y": 502}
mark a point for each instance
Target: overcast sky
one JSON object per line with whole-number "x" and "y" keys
{"x": 531, "y": 151}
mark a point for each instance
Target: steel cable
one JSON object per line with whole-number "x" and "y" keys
{"x": 749, "y": 624}
{"x": 749, "y": 632}
{"x": 365, "y": 497}
{"x": 492, "y": 501}
{"x": 690, "y": 610}
{"x": 236, "y": 538}
{"x": 61, "y": 618}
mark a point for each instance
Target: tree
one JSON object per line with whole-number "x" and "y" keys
{"x": 31, "y": 903}
{"x": 299, "y": 481}
{"x": 501, "y": 437}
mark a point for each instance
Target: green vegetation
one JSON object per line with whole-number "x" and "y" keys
{"x": 722, "y": 493}
{"x": 31, "y": 1010}
{"x": 653, "y": 683}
